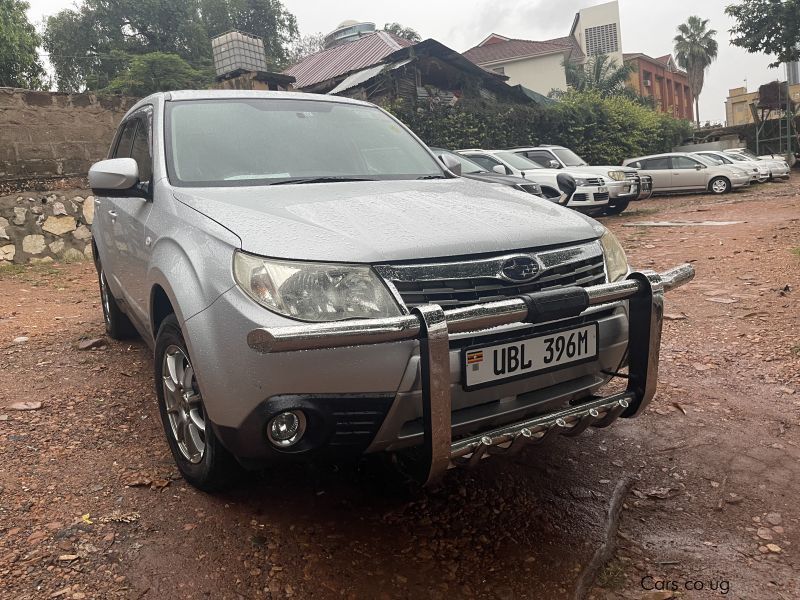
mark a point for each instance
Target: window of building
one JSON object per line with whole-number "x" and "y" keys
{"x": 603, "y": 39}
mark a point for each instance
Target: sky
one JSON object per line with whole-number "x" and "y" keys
{"x": 647, "y": 26}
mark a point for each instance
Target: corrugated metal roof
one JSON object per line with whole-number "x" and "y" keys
{"x": 360, "y": 77}
{"x": 345, "y": 58}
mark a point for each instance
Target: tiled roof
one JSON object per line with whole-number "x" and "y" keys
{"x": 513, "y": 49}
{"x": 347, "y": 57}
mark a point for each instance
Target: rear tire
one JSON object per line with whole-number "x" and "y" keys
{"x": 201, "y": 458}
{"x": 118, "y": 325}
{"x": 617, "y": 208}
{"x": 719, "y": 186}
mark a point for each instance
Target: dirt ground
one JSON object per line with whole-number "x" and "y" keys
{"x": 91, "y": 505}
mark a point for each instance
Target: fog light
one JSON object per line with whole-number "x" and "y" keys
{"x": 287, "y": 428}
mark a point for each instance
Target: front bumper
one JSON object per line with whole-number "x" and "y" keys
{"x": 589, "y": 197}
{"x": 432, "y": 327}
{"x": 739, "y": 181}
{"x": 623, "y": 190}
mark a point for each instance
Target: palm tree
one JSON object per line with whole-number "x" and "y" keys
{"x": 600, "y": 73}
{"x": 695, "y": 50}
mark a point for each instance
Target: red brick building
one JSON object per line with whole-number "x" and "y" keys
{"x": 661, "y": 79}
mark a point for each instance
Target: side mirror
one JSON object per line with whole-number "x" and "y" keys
{"x": 499, "y": 169}
{"x": 114, "y": 174}
{"x": 451, "y": 164}
{"x": 553, "y": 164}
{"x": 698, "y": 167}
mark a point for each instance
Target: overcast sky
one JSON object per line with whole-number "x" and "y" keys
{"x": 647, "y": 26}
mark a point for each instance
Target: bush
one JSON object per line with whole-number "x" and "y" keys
{"x": 602, "y": 131}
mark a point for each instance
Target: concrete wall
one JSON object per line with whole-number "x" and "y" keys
{"x": 598, "y": 16}
{"x": 55, "y": 135}
{"x": 46, "y": 226}
{"x": 540, "y": 73}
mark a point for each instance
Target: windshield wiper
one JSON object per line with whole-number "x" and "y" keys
{"x": 321, "y": 179}
{"x": 432, "y": 177}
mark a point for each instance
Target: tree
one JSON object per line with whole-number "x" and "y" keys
{"x": 404, "y": 32}
{"x": 19, "y": 61}
{"x": 95, "y": 42}
{"x": 601, "y": 73}
{"x": 267, "y": 19}
{"x": 305, "y": 46}
{"x": 695, "y": 50}
{"x": 158, "y": 72}
{"x": 767, "y": 26}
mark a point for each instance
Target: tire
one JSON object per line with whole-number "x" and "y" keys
{"x": 198, "y": 453}
{"x": 118, "y": 325}
{"x": 617, "y": 208}
{"x": 719, "y": 186}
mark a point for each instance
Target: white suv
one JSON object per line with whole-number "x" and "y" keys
{"x": 591, "y": 191}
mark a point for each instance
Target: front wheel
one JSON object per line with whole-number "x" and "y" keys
{"x": 617, "y": 208}
{"x": 719, "y": 185}
{"x": 198, "y": 453}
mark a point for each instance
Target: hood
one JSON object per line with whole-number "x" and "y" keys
{"x": 490, "y": 177}
{"x": 372, "y": 222}
{"x": 600, "y": 170}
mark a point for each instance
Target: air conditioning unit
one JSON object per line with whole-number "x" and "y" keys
{"x": 647, "y": 83}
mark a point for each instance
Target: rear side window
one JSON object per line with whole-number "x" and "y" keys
{"x": 123, "y": 149}
{"x": 539, "y": 156}
{"x": 684, "y": 162}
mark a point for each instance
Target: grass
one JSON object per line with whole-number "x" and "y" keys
{"x": 796, "y": 350}
{"x": 642, "y": 212}
{"x": 612, "y": 577}
{"x": 796, "y": 251}
{"x": 34, "y": 274}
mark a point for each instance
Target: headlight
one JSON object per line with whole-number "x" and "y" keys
{"x": 314, "y": 291}
{"x": 617, "y": 175}
{"x": 616, "y": 261}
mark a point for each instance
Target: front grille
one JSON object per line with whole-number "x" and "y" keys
{"x": 355, "y": 421}
{"x": 475, "y": 281}
{"x": 580, "y": 197}
{"x": 595, "y": 181}
{"x": 601, "y": 197}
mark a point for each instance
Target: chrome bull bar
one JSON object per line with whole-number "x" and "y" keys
{"x": 432, "y": 325}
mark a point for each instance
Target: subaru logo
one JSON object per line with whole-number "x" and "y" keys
{"x": 520, "y": 269}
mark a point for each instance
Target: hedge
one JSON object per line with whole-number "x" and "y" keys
{"x": 601, "y": 130}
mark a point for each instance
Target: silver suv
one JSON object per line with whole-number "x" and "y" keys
{"x": 315, "y": 283}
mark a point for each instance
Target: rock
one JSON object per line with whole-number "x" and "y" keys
{"x": 774, "y": 518}
{"x": 7, "y": 252}
{"x": 33, "y": 244}
{"x": 59, "y": 225}
{"x": 25, "y": 406}
{"x": 59, "y": 209}
{"x": 91, "y": 343}
{"x": 774, "y": 548}
{"x": 57, "y": 247}
{"x": 87, "y": 252}
{"x": 88, "y": 210}
{"x": 82, "y": 233}
{"x": 19, "y": 215}
{"x": 21, "y": 339}
{"x": 42, "y": 261}
{"x": 675, "y": 317}
{"x": 73, "y": 255}
{"x": 3, "y": 224}
{"x": 764, "y": 533}
{"x": 78, "y": 199}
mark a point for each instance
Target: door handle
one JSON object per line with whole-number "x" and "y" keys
{"x": 113, "y": 213}
{"x": 97, "y": 201}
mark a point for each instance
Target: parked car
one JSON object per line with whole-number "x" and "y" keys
{"x": 590, "y": 193}
{"x": 778, "y": 167}
{"x": 685, "y": 172}
{"x": 302, "y": 301}
{"x": 758, "y": 172}
{"x": 472, "y": 170}
{"x": 624, "y": 184}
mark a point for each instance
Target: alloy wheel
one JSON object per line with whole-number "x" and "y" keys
{"x": 184, "y": 404}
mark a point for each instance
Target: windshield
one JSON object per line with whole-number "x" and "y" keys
{"x": 706, "y": 160}
{"x": 569, "y": 158}
{"x": 241, "y": 142}
{"x": 747, "y": 153}
{"x": 516, "y": 161}
{"x": 467, "y": 166}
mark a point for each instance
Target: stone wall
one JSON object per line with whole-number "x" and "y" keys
{"x": 55, "y": 135}
{"x": 44, "y": 227}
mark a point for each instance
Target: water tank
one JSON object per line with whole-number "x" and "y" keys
{"x": 347, "y": 31}
{"x": 234, "y": 51}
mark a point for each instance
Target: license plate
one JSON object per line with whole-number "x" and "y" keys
{"x": 486, "y": 365}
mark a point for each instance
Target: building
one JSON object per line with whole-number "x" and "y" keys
{"x": 539, "y": 65}
{"x": 662, "y": 80}
{"x": 347, "y": 31}
{"x": 740, "y": 103}
{"x": 379, "y": 66}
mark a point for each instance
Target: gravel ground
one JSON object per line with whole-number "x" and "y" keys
{"x": 91, "y": 505}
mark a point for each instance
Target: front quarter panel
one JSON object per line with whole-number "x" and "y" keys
{"x": 191, "y": 259}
